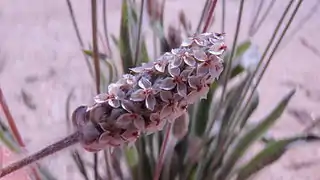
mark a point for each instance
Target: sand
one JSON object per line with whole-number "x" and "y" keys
{"x": 40, "y": 58}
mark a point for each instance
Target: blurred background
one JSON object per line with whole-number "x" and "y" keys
{"x": 41, "y": 62}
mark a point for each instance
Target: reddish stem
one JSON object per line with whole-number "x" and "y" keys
{"x": 10, "y": 119}
{"x": 14, "y": 129}
{"x": 210, "y": 15}
{"x": 161, "y": 156}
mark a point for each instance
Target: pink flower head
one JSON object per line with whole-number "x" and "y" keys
{"x": 183, "y": 55}
{"x": 147, "y": 93}
{"x": 113, "y": 97}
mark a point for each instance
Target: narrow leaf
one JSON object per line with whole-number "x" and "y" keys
{"x": 125, "y": 40}
{"x": 132, "y": 156}
{"x": 251, "y": 136}
{"x": 271, "y": 153}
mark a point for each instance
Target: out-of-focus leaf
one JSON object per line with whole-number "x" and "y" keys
{"x": 28, "y": 100}
{"x": 271, "y": 153}
{"x": 45, "y": 173}
{"x": 7, "y": 138}
{"x": 80, "y": 164}
{"x": 132, "y": 156}
{"x": 115, "y": 40}
{"x": 253, "y": 104}
{"x": 102, "y": 56}
{"x": 251, "y": 136}
{"x": 250, "y": 58}
{"x": 144, "y": 53}
{"x": 203, "y": 113}
{"x": 241, "y": 49}
{"x": 125, "y": 40}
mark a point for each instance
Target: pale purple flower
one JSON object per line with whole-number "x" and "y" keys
{"x": 113, "y": 97}
{"x": 161, "y": 64}
{"x": 211, "y": 64}
{"x": 125, "y": 120}
{"x": 132, "y": 117}
{"x": 130, "y": 135}
{"x": 199, "y": 86}
{"x": 183, "y": 55}
{"x": 178, "y": 79}
{"x": 171, "y": 106}
{"x": 147, "y": 93}
{"x": 145, "y": 67}
{"x": 156, "y": 123}
{"x": 198, "y": 39}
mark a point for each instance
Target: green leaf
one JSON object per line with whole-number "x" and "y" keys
{"x": 100, "y": 55}
{"x": 125, "y": 41}
{"x": 80, "y": 164}
{"x": 271, "y": 153}
{"x": 241, "y": 49}
{"x": 203, "y": 112}
{"x": 132, "y": 156}
{"x": 251, "y": 136}
{"x": 144, "y": 53}
{"x": 7, "y": 138}
{"x": 253, "y": 104}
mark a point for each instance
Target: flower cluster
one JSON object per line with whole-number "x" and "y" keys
{"x": 154, "y": 93}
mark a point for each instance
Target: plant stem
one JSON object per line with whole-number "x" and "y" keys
{"x": 75, "y": 25}
{"x": 49, "y": 150}
{"x": 271, "y": 56}
{"x": 95, "y": 43}
{"x": 14, "y": 129}
{"x": 136, "y": 57}
{"x": 249, "y": 82}
{"x": 105, "y": 28}
{"x": 209, "y": 16}
{"x": 223, "y": 21}
{"x": 204, "y": 10}
{"x": 162, "y": 151}
{"x": 10, "y": 119}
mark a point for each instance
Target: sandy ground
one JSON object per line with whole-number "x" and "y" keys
{"x": 40, "y": 56}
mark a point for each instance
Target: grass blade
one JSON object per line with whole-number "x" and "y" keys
{"x": 125, "y": 40}
{"x": 252, "y": 136}
{"x": 271, "y": 153}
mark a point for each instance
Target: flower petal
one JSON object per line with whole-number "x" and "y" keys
{"x": 166, "y": 111}
{"x": 166, "y": 96}
{"x": 130, "y": 135}
{"x": 124, "y": 120}
{"x": 202, "y": 69}
{"x": 182, "y": 89}
{"x": 129, "y": 106}
{"x": 177, "y": 61}
{"x": 200, "y": 55}
{"x": 144, "y": 83}
{"x": 138, "y": 95}
{"x": 194, "y": 81}
{"x": 174, "y": 71}
{"x": 187, "y": 42}
{"x": 186, "y": 73}
{"x": 168, "y": 84}
{"x": 150, "y": 102}
{"x": 101, "y": 98}
{"x": 104, "y": 137}
{"x": 114, "y": 103}
{"x": 139, "y": 122}
{"x": 190, "y": 61}
{"x": 160, "y": 67}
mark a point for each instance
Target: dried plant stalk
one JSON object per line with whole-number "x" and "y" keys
{"x": 144, "y": 101}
